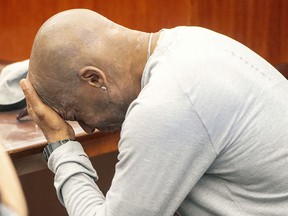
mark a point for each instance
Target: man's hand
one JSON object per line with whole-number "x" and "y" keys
{"x": 52, "y": 125}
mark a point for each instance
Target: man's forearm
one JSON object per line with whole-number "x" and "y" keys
{"x": 75, "y": 180}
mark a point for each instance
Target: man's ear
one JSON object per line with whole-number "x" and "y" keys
{"x": 93, "y": 76}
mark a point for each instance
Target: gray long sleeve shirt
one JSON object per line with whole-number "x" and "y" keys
{"x": 208, "y": 133}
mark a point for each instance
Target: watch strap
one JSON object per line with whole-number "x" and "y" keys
{"x": 48, "y": 149}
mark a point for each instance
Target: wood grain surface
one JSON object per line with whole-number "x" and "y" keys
{"x": 259, "y": 24}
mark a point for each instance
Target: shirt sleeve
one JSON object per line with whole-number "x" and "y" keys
{"x": 75, "y": 179}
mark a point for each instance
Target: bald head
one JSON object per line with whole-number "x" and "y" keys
{"x": 68, "y": 42}
{"x": 78, "y": 53}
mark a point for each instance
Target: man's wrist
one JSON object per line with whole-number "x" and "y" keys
{"x": 48, "y": 149}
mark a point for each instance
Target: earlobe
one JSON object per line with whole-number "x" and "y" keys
{"x": 93, "y": 76}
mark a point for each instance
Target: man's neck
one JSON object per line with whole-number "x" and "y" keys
{"x": 139, "y": 54}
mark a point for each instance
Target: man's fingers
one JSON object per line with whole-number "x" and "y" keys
{"x": 31, "y": 111}
{"x": 34, "y": 104}
{"x": 53, "y": 126}
{"x": 30, "y": 94}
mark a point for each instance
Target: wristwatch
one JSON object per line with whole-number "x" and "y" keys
{"x": 52, "y": 146}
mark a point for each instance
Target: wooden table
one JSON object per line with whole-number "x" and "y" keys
{"x": 24, "y": 142}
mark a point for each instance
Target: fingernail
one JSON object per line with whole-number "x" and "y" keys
{"x": 23, "y": 84}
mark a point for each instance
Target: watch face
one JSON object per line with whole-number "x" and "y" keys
{"x": 50, "y": 148}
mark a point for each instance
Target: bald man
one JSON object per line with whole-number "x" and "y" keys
{"x": 203, "y": 118}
